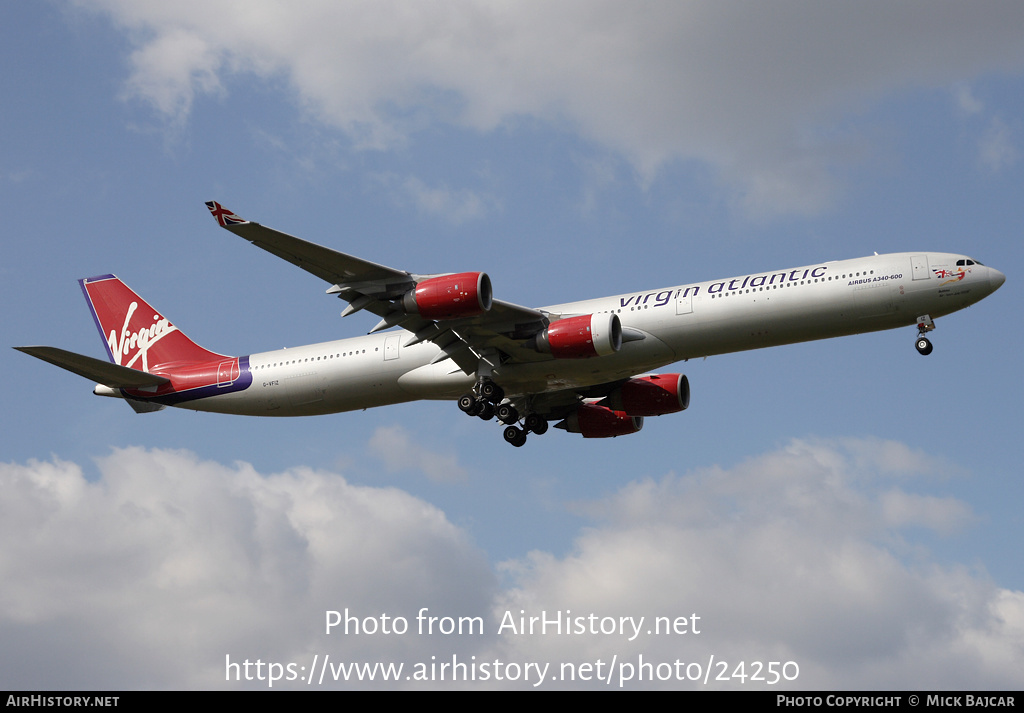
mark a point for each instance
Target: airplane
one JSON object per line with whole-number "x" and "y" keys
{"x": 589, "y": 365}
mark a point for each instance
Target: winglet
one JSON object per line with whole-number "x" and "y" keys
{"x": 224, "y": 216}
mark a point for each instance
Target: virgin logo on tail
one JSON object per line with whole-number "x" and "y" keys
{"x": 140, "y": 340}
{"x": 136, "y": 334}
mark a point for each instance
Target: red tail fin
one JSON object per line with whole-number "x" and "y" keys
{"x": 135, "y": 334}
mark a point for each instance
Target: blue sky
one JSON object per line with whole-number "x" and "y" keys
{"x": 847, "y": 504}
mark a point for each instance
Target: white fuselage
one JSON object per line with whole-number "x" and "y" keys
{"x": 697, "y": 320}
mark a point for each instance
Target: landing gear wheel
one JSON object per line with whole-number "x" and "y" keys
{"x": 492, "y": 392}
{"x": 486, "y": 410}
{"x": 925, "y": 324}
{"x": 468, "y": 404}
{"x": 536, "y": 423}
{"x": 515, "y": 435}
{"x": 507, "y": 413}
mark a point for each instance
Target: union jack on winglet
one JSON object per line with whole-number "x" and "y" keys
{"x": 224, "y": 216}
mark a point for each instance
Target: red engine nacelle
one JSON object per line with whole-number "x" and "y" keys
{"x": 581, "y": 337}
{"x": 652, "y": 395}
{"x": 595, "y": 421}
{"x": 466, "y": 294}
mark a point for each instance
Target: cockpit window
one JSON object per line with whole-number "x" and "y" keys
{"x": 965, "y": 263}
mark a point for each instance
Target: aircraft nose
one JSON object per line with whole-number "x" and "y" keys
{"x": 995, "y": 279}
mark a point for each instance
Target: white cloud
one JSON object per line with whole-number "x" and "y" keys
{"x": 966, "y": 102}
{"x": 996, "y": 149}
{"x": 151, "y": 575}
{"x": 941, "y": 515}
{"x": 20, "y": 176}
{"x": 746, "y": 88}
{"x": 393, "y": 446}
{"x": 171, "y": 69}
{"x": 996, "y": 146}
{"x": 787, "y": 558}
{"x": 455, "y": 206}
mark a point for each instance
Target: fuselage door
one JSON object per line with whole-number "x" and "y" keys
{"x": 684, "y": 302}
{"x": 391, "y": 347}
{"x": 919, "y": 267}
{"x": 227, "y": 372}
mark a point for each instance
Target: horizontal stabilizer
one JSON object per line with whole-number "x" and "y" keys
{"x": 112, "y": 375}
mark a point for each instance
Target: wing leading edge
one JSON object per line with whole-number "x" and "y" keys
{"x": 472, "y": 341}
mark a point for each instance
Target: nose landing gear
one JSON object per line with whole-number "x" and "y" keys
{"x": 923, "y": 344}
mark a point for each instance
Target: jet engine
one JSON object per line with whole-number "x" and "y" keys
{"x": 594, "y": 421}
{"x": 465, "y": 294}
{"x": 581, "y": 337}
{"x": 652, "y": 395}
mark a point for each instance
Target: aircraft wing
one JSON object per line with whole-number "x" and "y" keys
{"x": 112, "y": 375}
{"x": 329, "y": 265}
{"x": 379, "y": 289}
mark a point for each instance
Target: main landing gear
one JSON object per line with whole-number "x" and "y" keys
{"x": 486, "y": 402}
{"x": 533, "y": 422}
{"x": 923, "y": 344}
{"x": 514, "y": 435}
